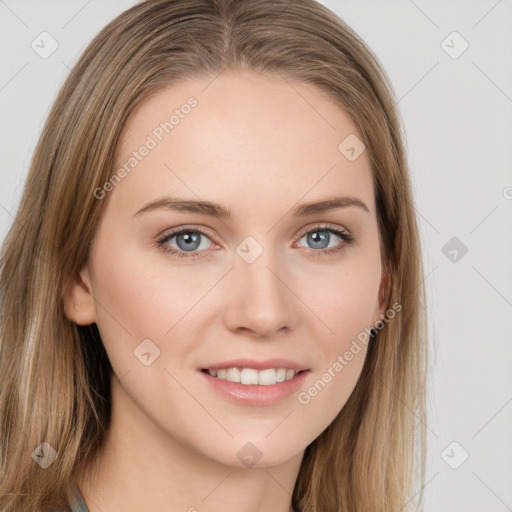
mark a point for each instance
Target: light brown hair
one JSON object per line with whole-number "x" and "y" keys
{"x": 55, "y": 375}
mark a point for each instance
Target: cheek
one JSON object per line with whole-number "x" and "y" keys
{"x": 343, "y": 298}
{"x": 139, "y": 298}
{"x": 326, "y": 392}
{"x": 344, "y": 304}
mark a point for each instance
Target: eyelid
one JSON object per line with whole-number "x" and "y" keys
{"x": 301, "y": 233}
{"x": 323, "y": 225}
{"x": 345, "y": 235}
{"x": 183, "y": 229}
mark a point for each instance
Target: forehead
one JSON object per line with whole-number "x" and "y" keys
{"x": 239, "y": 135}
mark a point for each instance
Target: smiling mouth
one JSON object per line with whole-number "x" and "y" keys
{"x": 253, "y": 377}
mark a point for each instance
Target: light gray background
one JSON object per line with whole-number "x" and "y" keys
{"x": 457, "y": 114}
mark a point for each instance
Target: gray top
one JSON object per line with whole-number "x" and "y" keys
{"x": 79, "y": 503}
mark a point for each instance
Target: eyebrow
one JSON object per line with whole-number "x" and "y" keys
{"x": 218, "y": 211}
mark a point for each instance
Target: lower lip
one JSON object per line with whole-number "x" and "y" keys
{"x": 256, "y": 395}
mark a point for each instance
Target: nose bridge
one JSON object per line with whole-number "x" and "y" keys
{"x": 260, "y": 300}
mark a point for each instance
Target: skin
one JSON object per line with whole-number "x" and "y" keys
{"x": 256, "y": 146}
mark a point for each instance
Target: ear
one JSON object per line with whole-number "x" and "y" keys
{"x": 384, "y": 290}
{"x": 78, "y": 300}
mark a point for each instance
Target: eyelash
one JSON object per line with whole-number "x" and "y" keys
{"x": 347, "y": 239}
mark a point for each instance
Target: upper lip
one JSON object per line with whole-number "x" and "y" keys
{"x": 257, "y": 365}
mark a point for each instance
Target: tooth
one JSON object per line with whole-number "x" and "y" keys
{"x": 233, "y": 374}
{"x": 290, "y": 374}
{"x": 267, "y": 377}
{"x": 281, "y": 375}
{"x": 249, "y": 376}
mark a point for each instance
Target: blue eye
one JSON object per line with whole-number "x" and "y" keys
{"x": 189, "y": 241}
{"x": 320, "y": 236}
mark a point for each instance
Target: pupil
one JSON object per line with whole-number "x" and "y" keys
{"x": 319, "y": 237}
{"x": 190, "y": 238}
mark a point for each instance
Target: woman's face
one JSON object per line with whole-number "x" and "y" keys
{"x": 272, "y": 280}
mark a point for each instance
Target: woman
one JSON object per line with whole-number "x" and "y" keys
{"x": 212, "y": 292}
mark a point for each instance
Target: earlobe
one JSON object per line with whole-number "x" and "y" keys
{"x": 77, "y": 299}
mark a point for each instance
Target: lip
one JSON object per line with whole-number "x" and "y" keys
{"x": 257, "y": 365}
{"x": 255, "y": 395}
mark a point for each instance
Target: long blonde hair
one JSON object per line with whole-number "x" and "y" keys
{"x": 55, "y": 375}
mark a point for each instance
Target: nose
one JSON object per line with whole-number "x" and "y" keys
{"x": 260, "y": 300}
